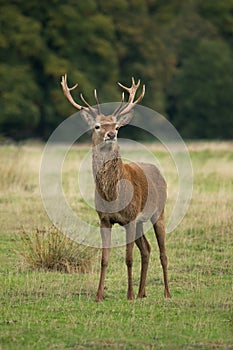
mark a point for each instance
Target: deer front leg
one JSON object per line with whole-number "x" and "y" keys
{"x": 130, "y": 237}
{"x": 106, "y": 243}
{"x": 129, "y": 263}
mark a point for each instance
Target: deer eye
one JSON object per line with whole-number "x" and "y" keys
{"x": 97, "y": 126}
{"x": 117, "y": 128}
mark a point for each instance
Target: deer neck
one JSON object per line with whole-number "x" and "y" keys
{"x": 107, "y": 170}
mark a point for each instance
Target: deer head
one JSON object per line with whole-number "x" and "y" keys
{"x": 105, "y": 127}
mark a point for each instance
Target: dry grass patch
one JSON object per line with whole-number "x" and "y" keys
{"x": 50, "y": 250}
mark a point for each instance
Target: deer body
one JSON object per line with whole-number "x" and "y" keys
{"x": 126, "y": 194}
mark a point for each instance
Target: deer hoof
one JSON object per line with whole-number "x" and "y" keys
{"x": 99, "y": 299}
{"x": 130, "y": 297}
{"x": 167, "y": 295}
{"x": 140, "y": 296}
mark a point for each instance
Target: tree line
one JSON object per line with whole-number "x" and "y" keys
{"x": 181, "y": 50}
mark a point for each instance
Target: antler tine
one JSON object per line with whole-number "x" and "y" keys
{"x": 87, "y": 104}
{"x": 73, "y": 87}
{"x": 132, "y": 91}
{"x": 138, "y": 83}
{"x": 117, "y": 110}
{"x": 142, "y": 94}
{"x": 133, "y": 85}
{"x": 68, "y": 95}
{"x": 97, "y": 101}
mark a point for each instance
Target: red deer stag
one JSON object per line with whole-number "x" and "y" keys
{"x": 134, "y": 192}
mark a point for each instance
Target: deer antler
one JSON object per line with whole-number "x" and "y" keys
{"x": 125, "y": 108}
{"x": 68, "y": 95}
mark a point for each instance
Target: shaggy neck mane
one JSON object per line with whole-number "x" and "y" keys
{"x": 107, "y": 170}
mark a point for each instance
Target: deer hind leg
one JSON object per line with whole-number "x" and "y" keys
{"x": 159, "y": 228}
{"x": 144, "y": 247}
{"x": 106, "y": 243}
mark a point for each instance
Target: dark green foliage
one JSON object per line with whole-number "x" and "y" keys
{"x": 202, "y": 91}
{"x": 180, "y": 49}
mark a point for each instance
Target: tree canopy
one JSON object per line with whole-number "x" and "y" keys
{"x": 182, "y": 51}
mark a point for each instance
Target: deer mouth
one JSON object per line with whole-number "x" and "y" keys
{"x": 108, "y": 144}
{"x": 110, "y": 140}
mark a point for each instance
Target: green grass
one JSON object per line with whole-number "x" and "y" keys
{"x": 51, "y": 310}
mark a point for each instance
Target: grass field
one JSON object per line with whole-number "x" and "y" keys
{"x": 52, "y": 310}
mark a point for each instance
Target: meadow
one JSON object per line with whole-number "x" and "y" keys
{"x": 56, "y": 310}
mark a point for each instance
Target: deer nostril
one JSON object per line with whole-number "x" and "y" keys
{"x": 111, "y": 135}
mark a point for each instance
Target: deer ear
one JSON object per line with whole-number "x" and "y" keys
{"x": 88, "y": 117}
{"x": 124, "y": 119}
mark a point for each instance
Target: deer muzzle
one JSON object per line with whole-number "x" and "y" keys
{"x": 110, "y": 136}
